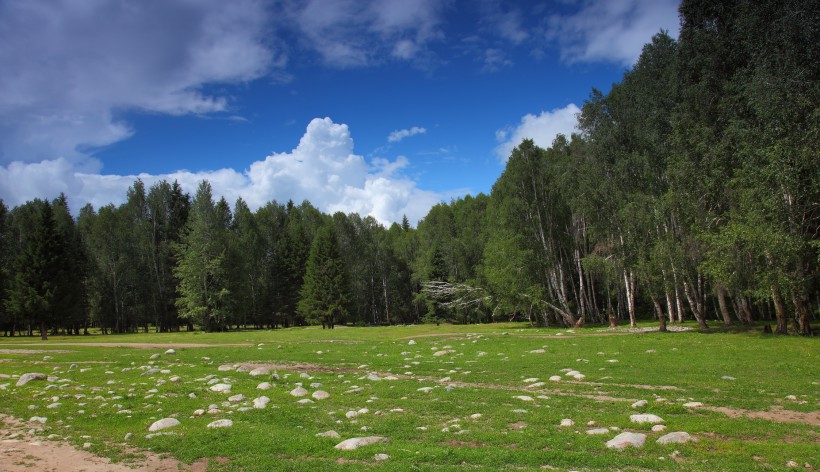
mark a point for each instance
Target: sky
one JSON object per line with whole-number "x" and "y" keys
{"x": 379, "y": 107}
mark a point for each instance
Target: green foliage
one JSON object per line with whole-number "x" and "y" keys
{"x": 324, "y": 295}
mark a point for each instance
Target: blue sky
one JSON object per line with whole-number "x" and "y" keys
{"x": 379, "y": 107}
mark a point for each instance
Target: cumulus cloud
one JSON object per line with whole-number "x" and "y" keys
{"x": 542, "y": 129}
{"x": 69, "y": 67}
{"x": 349, "y": 33}
{"x": 400, "y": 134}
{"x": 322, "y": 168}
{"x": 612, "y": 30}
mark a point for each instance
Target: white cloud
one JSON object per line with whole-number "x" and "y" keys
{"x": 542, "y": 129}
{"x": 322, "y": 169}
{"x": 400, "y": 134}
{"x": 70, "y": 66}
{"x": 353, "y": 33}
{"x": 612, "y": 30}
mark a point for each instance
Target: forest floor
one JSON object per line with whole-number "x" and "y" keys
{"x": 487, "y": 397}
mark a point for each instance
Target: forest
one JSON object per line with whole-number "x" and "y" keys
{"x": 690, "y": 192}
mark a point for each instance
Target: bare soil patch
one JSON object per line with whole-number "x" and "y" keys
{"x": 21, "y": 452}
{"x": 776, "y": 413}
{"x": 33, "y": 351}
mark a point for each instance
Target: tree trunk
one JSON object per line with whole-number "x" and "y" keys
{"x": 43, "y": 331}
{"x": 691, "y": 296}
{"x": 780, "y": 311}
{"x": 629, "y": 281}
{"x": 801, "y": 315}
{"x": 660, "y": 315}
{"x": 724, "y": 310}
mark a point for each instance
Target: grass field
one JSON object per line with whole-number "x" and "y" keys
{"x": 760, "y": 397}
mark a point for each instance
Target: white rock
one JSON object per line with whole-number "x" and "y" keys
{"x": 537, "y": 351}
{"x": 221, "y": 388}
{"x": 261, "y": 402}
{"x": 693, "y": 405}
{"x": 354, "y": 443}
{"x": 226, "y": 367}
{"x": 305, "y": 401}
{"x": 579, "y": 376}
{"x": 351, "y": 414}
{"x": 236, "y": 398}
{"x": 598, "y": 431}
{"x": 154, "y": 356}
{"x": 443, "y": 353}
{"x": 163, "y": 424}
{"x": 639, "y": 403}
{"x": 524, "y": 398}
{"x": 531, "y": 380}
{"x": 38, "y": 419}
{"x": 174, "y": 379}
{"x": 624, "y": 440}
{"x": 791, "y": 397}
{"x": 658, "y": 428}
{"x": 555, "y": 378}
{"x": 792, "y": 464}
{"x": 260, "y": 371}
{"x": 328, "y": 434}
{"x": 199, "y": 412}
{"x": 676, "y": 437}
{"x": 320, "y": 395}
{"x": 26, "y": 378}
{"x": 572, "y": 373}
{"x": 411, "y": 342}
{"x": 264, "y": 386}
{"x": 243, "y": 368}
{"x": 170, "y": 351}
{"x": 381, "y": 457}
{"x": 426, "y": 389}
{"x": 298, "y": 392}
{"x": 645, "y": 418}
{"x": 220, "y": 424}
{"x": 567, "y": 422}
{"x": 728, "y": 377}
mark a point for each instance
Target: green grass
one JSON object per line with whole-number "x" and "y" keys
{"x": 435, "y": 430}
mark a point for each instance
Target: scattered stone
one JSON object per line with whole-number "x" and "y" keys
{"x": 54, "y": 405}
{"x": 650, "y": 351}
{"x": 537, "y": 351}
{"x": 169, "y": 352}
{"x": 645, "y": 418}
{"x": 328, "y": 434}
{"x": 579, "y": 376}
{"x": 154, "y": 435}
{"x": 566, "y": 422}
{"x": 381, "y": 457}
{"x": 264, "y": 386}
{"x": 572, "y": 373}
{"x": 38, "y": 419}
{"x": 199, "y": 412}
{"x": 226, "y": 367}
{"x": 624, "y": 440}
{"x": 728, "y": 377}
{"x": 373, "y": 378}
{"x": 320, "y": 395}
{"x": 676, "y": 437}
{"x": 128, "y": 436}
{"x": 260, "y": 371}
{"x": 220, "y": 424}
{"x": 530, "y": 380}
{"x": 443, "y": 353}
{"x": 693, "y": 405}
{"x": 221, "y": 388}
{"x": 261, "y": 402}
{"x": 476, "y": 416}
{"x": 426, "y": 389}
{"x": 174, "y": 379}
{"x": 411, "y": 342}
{"x": 658, "y": 428}
{"x": 598, "y": 431}
{"x": 86, "y": 445}
{"x": 154, "y": 356}
{"x": 524, "y": 398}
{"x": 163, "y": 424}
{"x": 639, "y": 403}
{"x": 792, "y": 464}
{"x": 791, "y": 397}
{"x": 298, "y": 392}
{"x": 305, "y": 401}
{"x": 555, "y": 378}
{"x": 351, "y": 414}
{"x": 355, "y": 443}
{"x": 243, "y": 368}
{"x": 236, "y": 398}
{"x": 26, "y": 378}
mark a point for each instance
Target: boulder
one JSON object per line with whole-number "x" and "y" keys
{"x": 355, "y": 443}
{"x": 220, "y": 424}
{"x": 26, "y": 378}
{"x": 260, "y": 371}
{"x": 676, "y": 437}
{"x": 163, "y": 424}
{"x": 221, "y": 388}
{"x": 645, "y": 418}
{"x": 264, "y": 386}
{"x": 320, "y": 395}
{"x": 624, "y": 440}
{"x": 298, "y": 392}
{"x": 260, "y": 402}
{"x": 328, "y": 434}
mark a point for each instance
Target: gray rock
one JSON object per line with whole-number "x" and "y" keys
{"x": 658, "y": 428}
{"x": 163, "y": 424}
{"x": 154, "y": 356}
{"x": 524, "y": 398}
{"x": 226, "y": 367}
{"x": 320, "y": 395}
{"x": 328, "y": 434}
{"x": 598, "y": 431}
{"x": 381, "y": 457}
{"x": 260, "y": 402}
{"x": 170, "y": 351}
{"x": 26, "y": 378}
{"x": 128, "y": 436}
{"x": 411, "y": 342}
{"x": 236, "y": 398}
{"x": 260, "y": 371}
{"x": 220, "y": 424}
{"x": 624, "y": 440}
{"x": 640, "y": 403}
{"x": 566, "y": 422}
{"x": 38, "y": 419}
{"x": 676, "y": 437}
{"x": 221, "y": 388}
{"x": 298, "y": 392}
{"x": 264, "y": 386}
{"x": 355, "y": 443}
{"x": 693, "y": 405}
{"x": 645, "y": 418}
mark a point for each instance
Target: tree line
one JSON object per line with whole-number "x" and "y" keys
{"x": 691, "y": 191}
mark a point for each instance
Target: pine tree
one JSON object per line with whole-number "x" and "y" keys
{"x": 324, "y": 295}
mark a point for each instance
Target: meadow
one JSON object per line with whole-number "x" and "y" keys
{"x": 467, "y": 397}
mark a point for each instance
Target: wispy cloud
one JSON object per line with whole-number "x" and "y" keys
{"x": 400, "y": 134}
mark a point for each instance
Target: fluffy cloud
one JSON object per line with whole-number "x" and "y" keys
{"x": 542, "y": 129}
{"x": 400, "y": 134}
{"x": 347, "y": 33}
{"x": 612, "y": 30}
{"x": 322, "y": 169}
{"x": 70, "y": 66}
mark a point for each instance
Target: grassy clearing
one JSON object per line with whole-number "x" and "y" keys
{"x": 104, "y": 394}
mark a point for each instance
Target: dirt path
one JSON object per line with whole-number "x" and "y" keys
{"x": 134, "y": 345}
